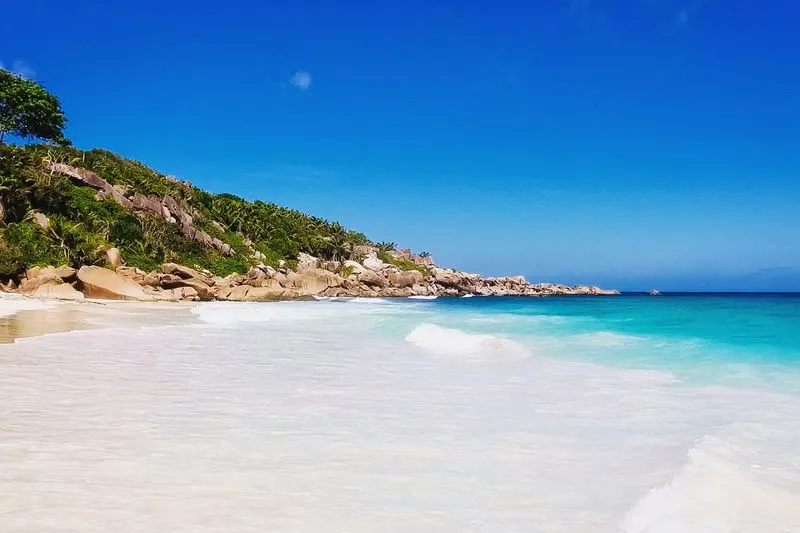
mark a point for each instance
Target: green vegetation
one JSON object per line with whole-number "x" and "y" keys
{"x": 82, "y": 224}
{"x": 402, "y": 264}
{"x": 386, "y": 246}
{"x": 27, "y": 110}
{"x": 23, "y": 245}
{"x": 347, "y": 271}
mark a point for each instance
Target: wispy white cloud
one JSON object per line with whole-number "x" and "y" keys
{"x": 20, "y": 69}
{"x": 301, "y": 79}
{"x": 687, "y": 11}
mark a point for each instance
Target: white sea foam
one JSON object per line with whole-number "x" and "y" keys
{"x": 743, "y": 479}
{"x": 329, "y": 298}
{"x": 353, "y": 299}
{"x": 373, "y": 301}
{"x": 422, "y": 297}
{"x": 447, "y": 341}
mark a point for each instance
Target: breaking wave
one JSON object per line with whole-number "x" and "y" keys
{"x": 454, "y": 342}
{"x": 733, "y": 481}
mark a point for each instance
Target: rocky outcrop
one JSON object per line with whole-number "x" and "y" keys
{"x": 134, "y": 274}
{"x": 185, "y": 272}
{"x": 113, "y": 257}
{"x": 408, "y": 255}
{"x": 446, "y": 277}
{"x": 173, "y": 295}
{"x": 201, "y": 290}
{"x": 373, "y": 279}
{"x": 406, "y": 278}
{"x": 354, "y": 266}
{"x": 167, "y": 207}
{"x": 174, "y": 282}
{"x": 360, "y": 252}
{"x": 306, "y": 261}
{"x": 245, "y": 293}
{"x": 205, "y": 239}
{"x": 87, "y": 177}
{"x": 314, "y": 281}
{"x": 66, "y": 273}
{"x": 98, "y": 282}
{"x": 32, "y": 284}
{"x": 152, "y": 205}
{"x": 49, "y": 283}
{"x": 175, "y": 276}
{"x": 59, "y": 291}
{"x": 372, "y": 262}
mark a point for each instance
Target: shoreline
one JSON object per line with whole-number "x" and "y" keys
{"x": 53, "y": 317}
{"x": 36, "y": 317}
{"x": 312, "y": 277}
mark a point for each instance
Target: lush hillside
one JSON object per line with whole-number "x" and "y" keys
{"x": 151, "y": 218}
{"x": 63, "y": 206}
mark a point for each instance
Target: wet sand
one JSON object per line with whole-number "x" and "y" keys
{"x": 58, "y": 317}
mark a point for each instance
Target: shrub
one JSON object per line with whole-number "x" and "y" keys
{"x": 25, "y": 245}
{"x": 403, "y": 264}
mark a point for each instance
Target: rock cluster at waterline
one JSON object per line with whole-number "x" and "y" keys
{"x": 370, "y": 277}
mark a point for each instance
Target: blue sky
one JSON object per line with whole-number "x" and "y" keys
{"x": 637, "y": 143}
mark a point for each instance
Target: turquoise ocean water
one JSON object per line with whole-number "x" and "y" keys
{"x": 631, "y": 414}
{"x": 712, "y": 337}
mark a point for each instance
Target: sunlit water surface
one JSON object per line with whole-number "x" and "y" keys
{"x": 631, "y": 414}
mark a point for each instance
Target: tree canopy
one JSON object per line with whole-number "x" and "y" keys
{"x": 28, "y": 110}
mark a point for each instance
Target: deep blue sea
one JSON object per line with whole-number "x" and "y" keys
{"x": 635, "y": 414}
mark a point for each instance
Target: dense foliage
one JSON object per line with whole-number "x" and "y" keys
{"x": 27, "y": 110}
{"x": 82, "y": 225}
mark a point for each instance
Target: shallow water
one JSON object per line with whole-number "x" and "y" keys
{"x": 659, "y": 415}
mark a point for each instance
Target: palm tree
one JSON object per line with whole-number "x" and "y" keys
{"x": 340, "y": 247}
{"x": 337, "y": 228}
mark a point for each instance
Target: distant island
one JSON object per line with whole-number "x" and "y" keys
{"x": 76, "y": 224}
